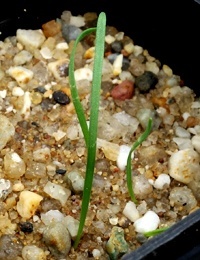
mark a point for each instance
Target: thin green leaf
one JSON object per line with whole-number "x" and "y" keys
{"x": 74, "y": 92}
{"x": 128, "y": 166}
{"x": 155, "y": 232}
{"x": 93, "y": 127}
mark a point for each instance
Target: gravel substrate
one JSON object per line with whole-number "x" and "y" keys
{"x": 43, "y": 153}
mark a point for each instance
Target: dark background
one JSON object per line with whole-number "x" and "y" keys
{"x": 169, "y": 30}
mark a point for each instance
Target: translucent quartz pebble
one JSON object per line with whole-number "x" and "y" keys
{"x": 57, "y": 238}
{"x": 14, "y": 166}
{"x": 32, "y": 252}
{"x": 7, "y": 130}
{"x": 57, "y": 191}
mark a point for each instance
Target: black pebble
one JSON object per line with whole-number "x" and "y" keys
{"x": 146, "y": 81}
{"x": 61, "y": 98}
{"x": 26, "y": 227}
{"x": 60, "y": 171}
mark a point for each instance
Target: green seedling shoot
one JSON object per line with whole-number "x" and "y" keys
{"x": 128, "y": 166}
{"x": 90, "y": 132}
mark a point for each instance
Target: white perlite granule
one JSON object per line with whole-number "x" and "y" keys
{"x": 149, "y": 222}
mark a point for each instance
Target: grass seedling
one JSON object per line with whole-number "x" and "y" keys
{"x": 90, "y": 134}
{"x": 128, "y": 166}
{"x": 155, "y": 232}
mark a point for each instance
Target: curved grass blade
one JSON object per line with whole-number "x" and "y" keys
{"x": 93, "y": 127}
{"x": 74, "y": 91}
{"x": 128, "y": 166}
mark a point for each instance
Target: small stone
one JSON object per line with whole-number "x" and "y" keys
{"x": 31, "y": 39}
{"x": 22, "y": 57}
{"x": 163, "y": 181}
{"x": 10, "y": 247}
{"x": 61, "y": 98}
{"x": 59, "y": 68}
{"x": 130, "y": 211}
{"x": 51, "y": 28}
{"x": 116, "y": 245}
{"x": 14, "y": 165}
{"x": 28, "y": 203}
{"x": 123, "y": 91}
{"x": 123, "y": 156}
{"x": 182, "y": 200}
{"x": 75, "y": 180}
{"x": 5, "y": 188}
{"x": 110, "y": 149}
{"x": 183, "y": 165}
{"x": 26, "y": 227}
{"x": 117, "y": 65}
{"x": 58, "y": 192}
{"x": 70, "y": 32}
{"x": 7, "y": 130}
{"x": 83, "y": 73}
{"x": 60, "y": 171}
{"x": 149, "y": 222}
{"x": 33, "y": 252}
{"x": 146, "y": 81}
{"x": 72, "y": 225}
{"x": 57, "y": 238}
{"x": 116, "y": 46}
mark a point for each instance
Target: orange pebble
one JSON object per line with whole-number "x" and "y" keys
{"x": 51, "y": 28}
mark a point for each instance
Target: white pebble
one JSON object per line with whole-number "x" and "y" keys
{"x": 183, "y": 165}
{"x": 83, "y": 73}
{"x": 109, "y": 39}
{"x": 3, "y": 93}
{"x": 162, "y": 181}
{"x": 129, "y": 48}
{"x": 51, "y": 215}
{"x": 183, "y": 143}
{"x": 137, "y": 50}
{"x": 30, "y": 38}
{"x": 152, "y": 66}
{"x": 7, "y": 130}
{"x": 123, "y": 156}
{"x": 149, "y": 222}
{"x": 130, "y": 211}
{"x": 62, "y": 46}
{"x": 20, "y": 74}
{"x": 22, "y": 57}
{"x": 27, "y": 104}
{"x": 78, "y": 21}
{"x": 167, "y": 70}
{"x": 96, "y": 253}
{"x": 17, "y": 92}
{"x": 117, "y": 65}
{"x": 32, "y": 252}
{"x": 113, "y": 221}
{"x": 196, "y": 142}
{"x": 182, "y": 132}
{"x": 28, "y": 203}
{"x": 46, "y": 53}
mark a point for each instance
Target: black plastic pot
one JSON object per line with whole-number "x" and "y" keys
{"x": 169, "y": 31}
